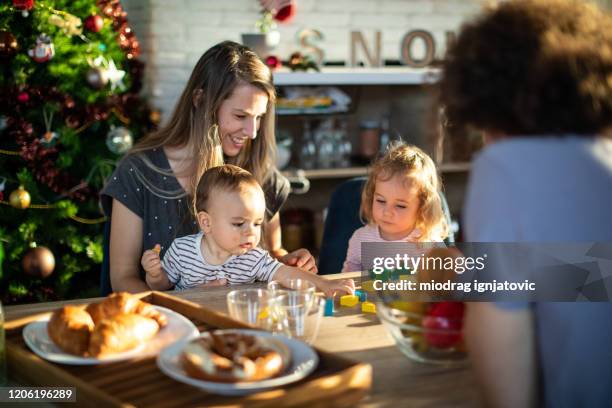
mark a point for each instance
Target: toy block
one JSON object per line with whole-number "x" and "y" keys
{"x": 329, "y": 307}
{"x": 368, "y": 307}
{"x": 349, "y": 300}
{"x": 264, "y": 314}
{"x": 362, "y": 295}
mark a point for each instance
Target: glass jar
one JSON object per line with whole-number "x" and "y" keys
{"x": 369, "y": 139}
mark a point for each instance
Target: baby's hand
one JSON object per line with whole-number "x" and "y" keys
{"x": 151, "y": 262}
{"x": 345, "y": 286}
{"x": 217, "y": 282}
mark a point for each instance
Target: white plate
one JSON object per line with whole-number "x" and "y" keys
{"x": 303, "y": 362}
{"x": 178, "y": 327}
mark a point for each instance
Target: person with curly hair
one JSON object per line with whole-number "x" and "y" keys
{"x": 535, "y": 77}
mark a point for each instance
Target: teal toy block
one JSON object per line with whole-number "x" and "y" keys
{"x": 329, "y": 307}
{"x": 362, "y": 295}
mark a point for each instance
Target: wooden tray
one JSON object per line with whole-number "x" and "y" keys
{"x": 337, "y": 381}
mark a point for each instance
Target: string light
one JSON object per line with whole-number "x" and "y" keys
{"x": 82, "y": 220}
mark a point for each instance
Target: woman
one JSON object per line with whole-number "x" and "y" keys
{"x": 535, "y": 77}
{"x": 225, "y": 114}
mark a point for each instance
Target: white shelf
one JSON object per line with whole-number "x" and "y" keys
{"x": 358, "y": 76}
{"x": 311, "y": 111}
{"x": 348, "y": 172}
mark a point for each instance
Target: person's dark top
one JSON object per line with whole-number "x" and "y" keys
{"x": 145, "y": 184}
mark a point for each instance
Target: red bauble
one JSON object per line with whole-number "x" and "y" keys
{"x": 38, "y": 262}
{"x": 273, "y": 62}
{"x": 94, "y": 23}
{"x": 443, "y": 324}
{"x": 23, "y": 97}
{"x": 23, "y": 4}
{"x": 286, "y": 13}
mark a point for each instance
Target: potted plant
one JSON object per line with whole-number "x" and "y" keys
{"x": 266, "y": 39}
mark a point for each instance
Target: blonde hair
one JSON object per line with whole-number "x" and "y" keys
{"x": 222, "y": 178}
{"x": 194, "y": 121}
{"x": 412, "y": 164}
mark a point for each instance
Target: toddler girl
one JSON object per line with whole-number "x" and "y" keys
{"x": 400, "y": 203}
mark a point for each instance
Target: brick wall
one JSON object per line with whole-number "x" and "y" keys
{"x": 174, "y": 33}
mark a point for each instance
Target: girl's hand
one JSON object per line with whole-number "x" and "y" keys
{"x": 300, "y": 258}
{"x": 151, "y": 263}
{"x": 217, "y": 282}
{"x": 345, "y": 286}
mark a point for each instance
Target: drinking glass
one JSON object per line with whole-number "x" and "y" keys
{"x": 299, "y": 315}
{"x": 250, "y": 306}
{"x": 293, "y": 285}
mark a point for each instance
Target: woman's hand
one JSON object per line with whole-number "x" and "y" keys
{"x": 300, "y": 258}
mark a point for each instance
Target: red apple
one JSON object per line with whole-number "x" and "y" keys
{"x": 443, "y": 323}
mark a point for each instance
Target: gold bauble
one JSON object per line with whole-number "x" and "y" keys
{"x": 20, "y": 198}
{"x": 38, "y": 262}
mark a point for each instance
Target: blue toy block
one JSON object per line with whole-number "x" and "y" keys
{"x": 329, "y": 306}
{"x": 362, "y": 295}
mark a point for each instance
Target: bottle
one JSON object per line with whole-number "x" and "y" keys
{"x": 3, "y": 378}
{"x": 308, "y": 152}
{"x": 385, "y": 137}
{"x": 369, "y": 139}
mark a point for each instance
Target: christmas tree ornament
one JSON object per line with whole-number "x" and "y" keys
{"x": 23, "y": 97}
{"x": 49, "y": 138}
{"x": 94, "y": 23}
{"x": 96, "y": 77}
{"x": 38, "y": 262}
{"x": 155, "y": 116}
{"x": 43, "y": 51}
{"x": 24, "y": 6}
{"x": 8, "y": 45}
{"x": 2, "y": 184}
{"x": 71, "y": 25}
{"x": 115, "y": 76}
{"x": 20, "y": 198}
{"x": 3, "y": 123}
{"x": 119, "y": 140}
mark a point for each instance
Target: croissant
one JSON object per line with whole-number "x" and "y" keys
{"x": 121, "y": 333}
{"x": 124, "y": 303}
{"x": 70, "y": 329}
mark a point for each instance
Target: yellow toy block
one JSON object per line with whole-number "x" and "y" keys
{"x": 349, "y": 300}
{"x": 264, "y": 314}
{"x": 368, "y": 286}
{"x": 368, "y": 307}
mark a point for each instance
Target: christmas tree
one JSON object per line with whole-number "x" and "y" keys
{"x": 69, "y": 108}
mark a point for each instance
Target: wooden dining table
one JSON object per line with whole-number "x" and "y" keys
{"x": 396, "y": 380}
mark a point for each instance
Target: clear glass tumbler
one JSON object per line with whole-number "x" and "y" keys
{"x": 250, "y": 306}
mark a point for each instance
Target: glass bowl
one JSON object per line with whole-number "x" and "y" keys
{"x": 423, "y": 335}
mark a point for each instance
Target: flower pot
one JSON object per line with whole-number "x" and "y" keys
{"x": 261, "y": 43}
